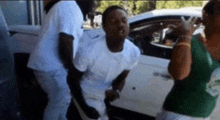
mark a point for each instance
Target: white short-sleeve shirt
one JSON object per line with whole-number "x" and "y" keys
{"x": 66, "y": 17}
{"x": 101, "y": 66}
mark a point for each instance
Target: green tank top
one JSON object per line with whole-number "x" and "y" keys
{"x": 196, "y": 95}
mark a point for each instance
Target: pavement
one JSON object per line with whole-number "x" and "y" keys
{"x": 9, "y": 109}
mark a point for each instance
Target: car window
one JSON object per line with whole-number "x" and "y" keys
{"x": 152, "y": 39}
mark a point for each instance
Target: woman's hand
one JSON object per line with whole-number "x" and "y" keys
{"x": 186, "y": 27}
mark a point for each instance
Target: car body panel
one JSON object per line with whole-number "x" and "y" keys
{"x": 146, "y": 81}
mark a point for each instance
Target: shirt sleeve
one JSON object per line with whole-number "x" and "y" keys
{"x": 81, "y": 61}
{"x": 70, "y": 19}
{"x": 135, "y": 58}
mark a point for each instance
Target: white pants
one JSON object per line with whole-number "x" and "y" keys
{"x": 55, "y": 85}
{"x": 167, "y": 115}
{"x": 96, "y": 102}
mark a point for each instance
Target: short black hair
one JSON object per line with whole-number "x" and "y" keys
{"x": 108, "y": 10}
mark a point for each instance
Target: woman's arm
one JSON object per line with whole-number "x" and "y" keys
{"x": 181, "y": 60}
{"x": 180, "y": 63}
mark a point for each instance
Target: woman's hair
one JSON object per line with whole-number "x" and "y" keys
{"x": 108, "y": 10}
{"x": 209, "y": 8}
{"x": 50, "y": 5}
{"x": 212, "y": 7}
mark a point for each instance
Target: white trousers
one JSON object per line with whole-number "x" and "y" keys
{"x": 167, "y": 115}
{"x": 96, "y": 102}
{"x": 55, "y": 85}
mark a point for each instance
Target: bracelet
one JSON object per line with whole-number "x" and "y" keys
{"x": 186, "y": 44}
{"x": 186, "y": 36}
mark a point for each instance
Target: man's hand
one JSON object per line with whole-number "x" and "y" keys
{"x": 77, "y": 95}
{"x": 89, "y": 111}
{"x": 73, "y": 80}
{"x": 111, "y": 95}
{"x": 118, "y": 85}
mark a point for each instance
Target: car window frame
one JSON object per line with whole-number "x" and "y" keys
{"x": 166, "y": 51}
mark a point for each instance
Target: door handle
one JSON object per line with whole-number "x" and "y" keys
{"x": 166, "y": 76}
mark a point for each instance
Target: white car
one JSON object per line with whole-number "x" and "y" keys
{"x": 149, "y": 82}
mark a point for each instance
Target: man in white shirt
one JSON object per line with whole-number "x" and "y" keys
{"x": 104, "y": 62}
{"x": 53, "y": 55}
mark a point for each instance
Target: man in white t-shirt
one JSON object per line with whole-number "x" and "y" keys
{"x": 105, "y": 61}
{"x": 53, "y": 55}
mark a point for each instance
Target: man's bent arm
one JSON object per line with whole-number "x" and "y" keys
{"x": 119, "y": 82}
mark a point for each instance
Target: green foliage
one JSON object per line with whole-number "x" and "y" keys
{"x": 105, "y": 4}
{"x": 143, "y": 6}
{"x": 177, "y": 4}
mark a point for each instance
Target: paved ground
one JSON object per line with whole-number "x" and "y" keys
{"x": 8, "y": 101}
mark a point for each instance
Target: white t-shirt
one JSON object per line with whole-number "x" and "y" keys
{"x": 101, "y": 66}
{"x": 66, "y": 17}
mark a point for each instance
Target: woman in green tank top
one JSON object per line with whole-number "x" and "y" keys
{"x": 195, "y": 68}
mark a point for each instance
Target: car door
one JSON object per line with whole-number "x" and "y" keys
{"x": 149, "y": 82}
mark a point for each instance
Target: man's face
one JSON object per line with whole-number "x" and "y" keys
{"x": 47, "y": 1}
{"x": 116, "y": 25}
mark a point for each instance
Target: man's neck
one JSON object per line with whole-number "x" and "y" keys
{"x": 49, "y": 4}
{"x": 114, "y": 46}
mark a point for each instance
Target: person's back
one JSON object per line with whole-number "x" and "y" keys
{"x": 46, "y": 55}
{"x": 53, "y": 56}
{"x": 194, "y": 66}
{"x": 197, "y": 90}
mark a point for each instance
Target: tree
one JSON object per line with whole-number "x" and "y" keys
{"x": 152, "y": 4}
{"x": 105, "y": 4}
{"x": 167, "y": 4}
{"x": 137, "y": 6}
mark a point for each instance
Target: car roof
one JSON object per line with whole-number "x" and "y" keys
{"x": 165, "y": 12}
{"x": 192, "y": 8}
{"x": 25, "y": 29}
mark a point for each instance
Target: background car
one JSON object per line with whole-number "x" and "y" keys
{"x": 149, "y": 82}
